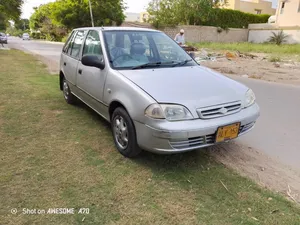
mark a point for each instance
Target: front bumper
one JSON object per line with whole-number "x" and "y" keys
{"x": 180, "y": 136}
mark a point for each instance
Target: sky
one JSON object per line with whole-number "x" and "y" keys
{"x": 133, "y": 6}
{"x": 136, "y": 6}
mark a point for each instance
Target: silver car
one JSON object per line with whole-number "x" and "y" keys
{"x": 26, "y": 36}
{"x": 3, "y": 38}
{"x": 155, "y": 96}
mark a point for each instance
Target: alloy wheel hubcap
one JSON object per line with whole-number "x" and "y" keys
{"x": 121, "y": 132}
{"x": 66, "y": 90}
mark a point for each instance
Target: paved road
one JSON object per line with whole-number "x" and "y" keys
{"x": 277, "y": 132}
{"x": 49, "y": 51}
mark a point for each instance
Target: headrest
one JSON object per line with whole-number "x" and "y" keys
{"x": 138, "y": 48}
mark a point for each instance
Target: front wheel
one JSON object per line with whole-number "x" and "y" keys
{"x": 124, "y": 134}
{"x": 69, "y": 97}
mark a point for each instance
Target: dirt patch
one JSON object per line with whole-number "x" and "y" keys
{"x": 257, "y": 66}
{"x": 52, "y": 65}
{"x": 263, "y": 169}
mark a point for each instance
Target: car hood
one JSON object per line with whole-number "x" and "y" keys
{"x": 193, "y": 87}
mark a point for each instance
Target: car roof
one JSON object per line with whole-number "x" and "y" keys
{"x": 117, "y": 29}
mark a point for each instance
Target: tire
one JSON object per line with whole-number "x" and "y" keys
{"x": 123, "y": 128}
{"x": 68, "y": 96}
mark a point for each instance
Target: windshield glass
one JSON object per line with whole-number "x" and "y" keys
{"x": 131, "y": 49}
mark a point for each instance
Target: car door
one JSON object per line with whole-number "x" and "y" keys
{"x": 91, "y": 80}
{"x": 71, "y": 56}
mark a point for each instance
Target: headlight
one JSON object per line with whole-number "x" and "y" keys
{"x": 168, "y": 111}
{"x": 249, "y": 98}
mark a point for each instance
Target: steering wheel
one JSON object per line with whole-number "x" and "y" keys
{"x": 123, "y": 56}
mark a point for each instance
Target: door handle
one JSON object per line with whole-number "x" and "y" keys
{"x": 80, "y": 71}
{"x": 65, "y": 63}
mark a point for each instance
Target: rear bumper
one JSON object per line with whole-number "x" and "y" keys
{"x": 174, "y": 137}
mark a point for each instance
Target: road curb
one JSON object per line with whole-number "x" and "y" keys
{"x": 50, "y": 42}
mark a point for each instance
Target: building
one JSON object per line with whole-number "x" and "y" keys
{"x": 288, "y": 13}
{"x": 132, "y": 17}
{"x": 287, "y": 19}
{"x": 251, "y": 6}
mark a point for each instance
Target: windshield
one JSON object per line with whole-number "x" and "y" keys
{"x": 144, "y": 49}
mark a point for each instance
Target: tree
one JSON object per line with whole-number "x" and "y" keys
{"x": 175, "y": 12}
{"x": 40, "y": 15}
{"x": 3, "y": 22}
{"x": 42, "y": 20}
{"x": 199, "y": 12}
{"x": 75, "y": 13}
{"x": 22, "y": 24}
{"x": 11, "y": 9}
{"x": 56, "y": 19}
{"x": 164, "y": 12}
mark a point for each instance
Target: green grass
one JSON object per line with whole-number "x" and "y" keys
{"x": 58, "y": 155}
{"x": 274, "y": 59}
{"x": 251, "y": 47}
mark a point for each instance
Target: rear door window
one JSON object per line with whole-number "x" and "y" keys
{"x": 77, "y": 43}
{"x": 68, "y": 42}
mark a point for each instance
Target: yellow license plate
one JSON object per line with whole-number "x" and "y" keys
{"x": 228, "y": 132}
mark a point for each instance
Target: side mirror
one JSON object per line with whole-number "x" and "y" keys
{"x": 192, "y": 54}
{"x": 93, "y": 61}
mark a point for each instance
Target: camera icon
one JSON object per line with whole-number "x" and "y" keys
{"x": 13, "y": 211}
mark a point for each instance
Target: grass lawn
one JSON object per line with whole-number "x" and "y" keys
{"x": 283, "y": 50}
{"x": 54, "y": 155}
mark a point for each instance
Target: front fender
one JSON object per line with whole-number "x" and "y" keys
{"x": 133, "y": 98}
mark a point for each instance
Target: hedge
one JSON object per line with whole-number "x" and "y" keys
{"x": 228, "y": 18}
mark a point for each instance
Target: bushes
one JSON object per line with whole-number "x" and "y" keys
{"x": 226, "y": 18}
{"x": 36, "y": 35}
{"x": 65, "y": 38}
{"x": 12, "y": 31}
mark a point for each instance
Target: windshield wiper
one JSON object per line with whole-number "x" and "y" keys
{"x": 152, "y": 64}
{"x": 182, "y": 62}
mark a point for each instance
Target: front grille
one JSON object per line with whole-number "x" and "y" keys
{"x": 219, "y": 110}
{"x": 195, "y": 142}
{"x": 198, "y": 142}
{"x": 246, "y": 127}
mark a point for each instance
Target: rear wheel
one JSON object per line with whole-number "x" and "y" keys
{"x": 69, "y": 97}
{"x": 124, "y": 134}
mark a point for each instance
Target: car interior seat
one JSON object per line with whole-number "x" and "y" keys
{"x": 137, "y": 51}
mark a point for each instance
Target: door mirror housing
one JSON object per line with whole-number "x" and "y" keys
{"x": 93, "y": 61}
{"x": 192, "y": 54}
